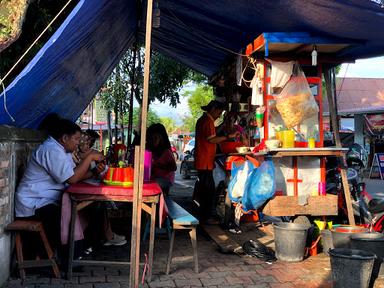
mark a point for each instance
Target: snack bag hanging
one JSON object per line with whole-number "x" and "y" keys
{"x": 296, "y": 103}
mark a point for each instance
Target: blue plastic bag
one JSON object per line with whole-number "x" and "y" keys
{"x": 236, "y": 172}
{"x": 260, "y": 186}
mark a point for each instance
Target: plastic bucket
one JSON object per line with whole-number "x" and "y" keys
{"x": 288, "y": 139}
{"x": 290, "y": 239}
{"x": 351, "y": 267}
{"x": 326, "y": 240}
{"x": 341, "y": 235}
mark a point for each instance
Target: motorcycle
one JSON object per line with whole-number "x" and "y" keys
{"x": 174, "y": 152}
{"x": 371, "y": 210}
{"x": 334, "y": 186}
{"x": 357, "y": 158}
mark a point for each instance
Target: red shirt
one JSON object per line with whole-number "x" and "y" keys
{"x": 167, "y": 164}
{"x": 204, "y": 150}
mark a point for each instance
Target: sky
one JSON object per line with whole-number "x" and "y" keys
{"x": 182, "y": 109}
{"x": 367, "y": 68}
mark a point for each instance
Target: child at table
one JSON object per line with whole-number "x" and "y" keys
{"x": 163, "y": 161}
{"x": 48, "y": 172}
{"x": 100, "y": 226}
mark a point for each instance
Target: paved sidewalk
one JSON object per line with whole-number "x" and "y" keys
{"x": 216, "y": 270}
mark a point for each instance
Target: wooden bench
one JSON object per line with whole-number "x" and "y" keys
{"x": 182, "y": 220}
{"x": 33, "y": 226}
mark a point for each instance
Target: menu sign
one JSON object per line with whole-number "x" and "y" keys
{"x": 377, "y": 164}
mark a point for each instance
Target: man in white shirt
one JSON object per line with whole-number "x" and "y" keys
{"x": 50, "y": 169}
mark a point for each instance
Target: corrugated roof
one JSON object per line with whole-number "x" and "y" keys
{"x": 359, "y": 95}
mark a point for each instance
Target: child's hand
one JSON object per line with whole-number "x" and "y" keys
{"x": 100, "y": 167}
{"x": 97, "y": 156}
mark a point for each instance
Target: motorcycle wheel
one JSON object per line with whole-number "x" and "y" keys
{"x": 184, "y": 171}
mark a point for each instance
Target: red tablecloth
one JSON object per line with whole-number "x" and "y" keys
{"x": 149, "y": 189}
{"x": 115, "y": 193}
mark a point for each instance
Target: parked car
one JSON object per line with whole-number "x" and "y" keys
{"x": 187, "y": 166}
{"x": 189, "y": 146}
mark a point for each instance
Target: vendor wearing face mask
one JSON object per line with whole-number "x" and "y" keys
{"x": 205, "y": 151}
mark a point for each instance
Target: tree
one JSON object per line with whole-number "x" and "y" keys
{"x": 152, "y": 118}
{"x": 126, "y": 81}
{"x": 189, "y": 124}
{"x": 169, "y": 124}
{"x": 197, "y": 98}
{"x": 37, "y": 17}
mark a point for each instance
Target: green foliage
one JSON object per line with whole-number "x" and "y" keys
{"x": 197, "y": 98}
{"x": 167, "y": 78}
{"x": 152, "y": 118}
{"x": 189, "y": 124}
{"x": 39, "y": 14}
{"x": 169, "y": 124}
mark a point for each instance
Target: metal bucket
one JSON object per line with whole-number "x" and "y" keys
{"x": 326, "y": 240}
{"x": 374, "y": 243}
{"x": 290, "y": 239}
{"x": 351, "y": 267}
{"x": 341, "y": 235}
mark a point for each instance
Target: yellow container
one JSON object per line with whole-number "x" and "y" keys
{"x": 288, "y": 139}
{"x": 279, "y": 135}
{"x": 311, "y": 143}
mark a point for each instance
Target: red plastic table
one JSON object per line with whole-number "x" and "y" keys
{"x": 82, "y": 194}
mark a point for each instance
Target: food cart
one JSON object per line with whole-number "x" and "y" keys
{"x": 300, "y": 172}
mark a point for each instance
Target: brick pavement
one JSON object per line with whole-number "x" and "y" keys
{"x": 216, "y": 270}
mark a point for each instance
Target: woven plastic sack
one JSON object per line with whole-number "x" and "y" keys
{"x": 296, "y": 103}
{"x": 260, "y": 186}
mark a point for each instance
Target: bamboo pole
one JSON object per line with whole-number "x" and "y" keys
{"x": 134, "y": 217}
{"x": 135, "y": 259}
{"x": 331, "y": 94}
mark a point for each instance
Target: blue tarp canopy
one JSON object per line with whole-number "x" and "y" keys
{"x": 68, "y": 71}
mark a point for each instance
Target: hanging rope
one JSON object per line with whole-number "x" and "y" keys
{"x": 5, "y": 102}
{"x": 3, "y": 94}
{"x": 34, "y": 42}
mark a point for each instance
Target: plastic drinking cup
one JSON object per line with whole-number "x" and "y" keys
{"x": 311, "y": 143}
{"x": 322, "y": 191}
{"x": 259, "y": 119}
{"x": 288, "y": 139}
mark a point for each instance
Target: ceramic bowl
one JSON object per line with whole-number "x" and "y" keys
{"x": 242, "y": 149}
{"x": 272, "y": 144}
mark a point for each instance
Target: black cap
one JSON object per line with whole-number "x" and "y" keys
{"x": 213, "y": 104}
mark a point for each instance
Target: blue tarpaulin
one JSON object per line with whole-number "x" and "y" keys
{"x": 75, "y": 62}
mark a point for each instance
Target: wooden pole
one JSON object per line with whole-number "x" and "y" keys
{"x": 135, "y": 258}
{"x": 331, "y": 93}
{"x": 132, "y": 279}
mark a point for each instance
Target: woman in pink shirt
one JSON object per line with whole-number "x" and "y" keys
{"x": 163, "y": 161}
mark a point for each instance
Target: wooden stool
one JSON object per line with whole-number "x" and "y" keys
{"x": 19, "y": 226}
